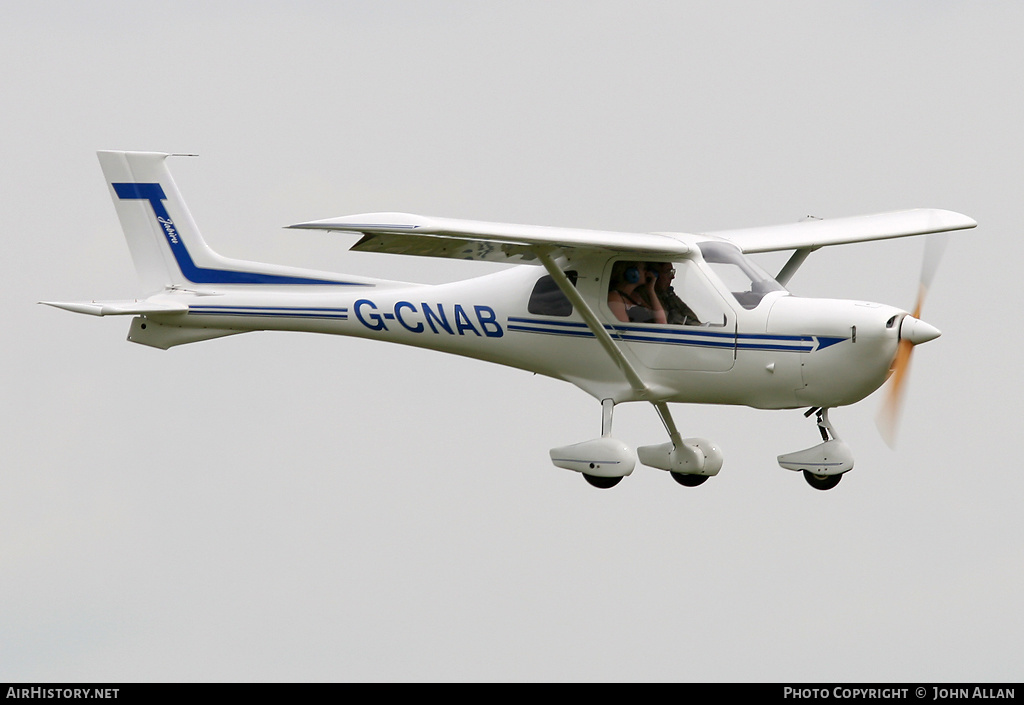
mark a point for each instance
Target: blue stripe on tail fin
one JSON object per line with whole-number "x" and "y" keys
{"x": 193, "y": 273}
{"x": 167, "y": 247}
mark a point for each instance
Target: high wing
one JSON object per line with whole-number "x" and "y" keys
{"x": 406, "y": 234}
{"x": 812, "y": 234}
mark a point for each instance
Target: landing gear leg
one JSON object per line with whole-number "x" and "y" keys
{"x": 824, "y": 427}
{"x": 604, "y": 483}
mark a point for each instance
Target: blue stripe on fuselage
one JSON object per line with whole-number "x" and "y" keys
{"x": 679, "y": 335}
{"x": 340, "y": 314}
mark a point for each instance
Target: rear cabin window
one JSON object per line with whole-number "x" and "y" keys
{"x": 548, "y": 300}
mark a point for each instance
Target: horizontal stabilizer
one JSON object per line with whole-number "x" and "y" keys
{"x": 118, "y": 308}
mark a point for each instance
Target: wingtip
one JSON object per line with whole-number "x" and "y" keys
{"x": 957, "y": 220}
{"x": 91, "y": 308}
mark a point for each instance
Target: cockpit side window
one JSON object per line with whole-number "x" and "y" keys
{"x": 673, "y": 293}
{"x": 704, "y": 306}
{"x": 548, "y": 300}
{"x": 747, "y": 282}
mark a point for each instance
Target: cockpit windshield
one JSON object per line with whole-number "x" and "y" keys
{"x": 747, "y": 281}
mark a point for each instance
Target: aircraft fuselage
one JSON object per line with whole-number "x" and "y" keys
{"x": 787, "y": 352}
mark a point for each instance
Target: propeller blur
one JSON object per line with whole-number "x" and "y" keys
{"x": 913, "y": 331}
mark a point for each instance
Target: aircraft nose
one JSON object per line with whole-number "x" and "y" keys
{"x": 916, "y": 331}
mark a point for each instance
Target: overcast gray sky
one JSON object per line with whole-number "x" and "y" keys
{"x": 281, "y": 507}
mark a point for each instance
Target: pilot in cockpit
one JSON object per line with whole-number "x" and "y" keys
{"x": 676, "y": 311}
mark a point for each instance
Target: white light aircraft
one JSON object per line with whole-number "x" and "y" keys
{"x": 590, "y": 307}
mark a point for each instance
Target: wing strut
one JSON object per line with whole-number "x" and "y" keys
{"x": 798, "y": 257}
{"x": 595, "y": 325}
{"x": 670, "y": 426}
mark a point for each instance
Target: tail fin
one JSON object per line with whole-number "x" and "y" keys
{"x": 139, "y": 183}
{"x": 164, "y": 241}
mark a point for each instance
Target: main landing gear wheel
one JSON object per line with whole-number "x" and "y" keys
{"x": 821, "y": 482}
{"x": 688, "y": 480}
{"x": 603, "y": 483}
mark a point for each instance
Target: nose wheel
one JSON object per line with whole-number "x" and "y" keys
{"x": 821, "y": 482}
{"x": 823, "y": 465}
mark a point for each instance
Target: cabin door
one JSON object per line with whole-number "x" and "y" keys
{"x": 700, "y": 334}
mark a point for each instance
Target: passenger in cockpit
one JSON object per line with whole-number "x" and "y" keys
{"x": 630, "y": 281}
